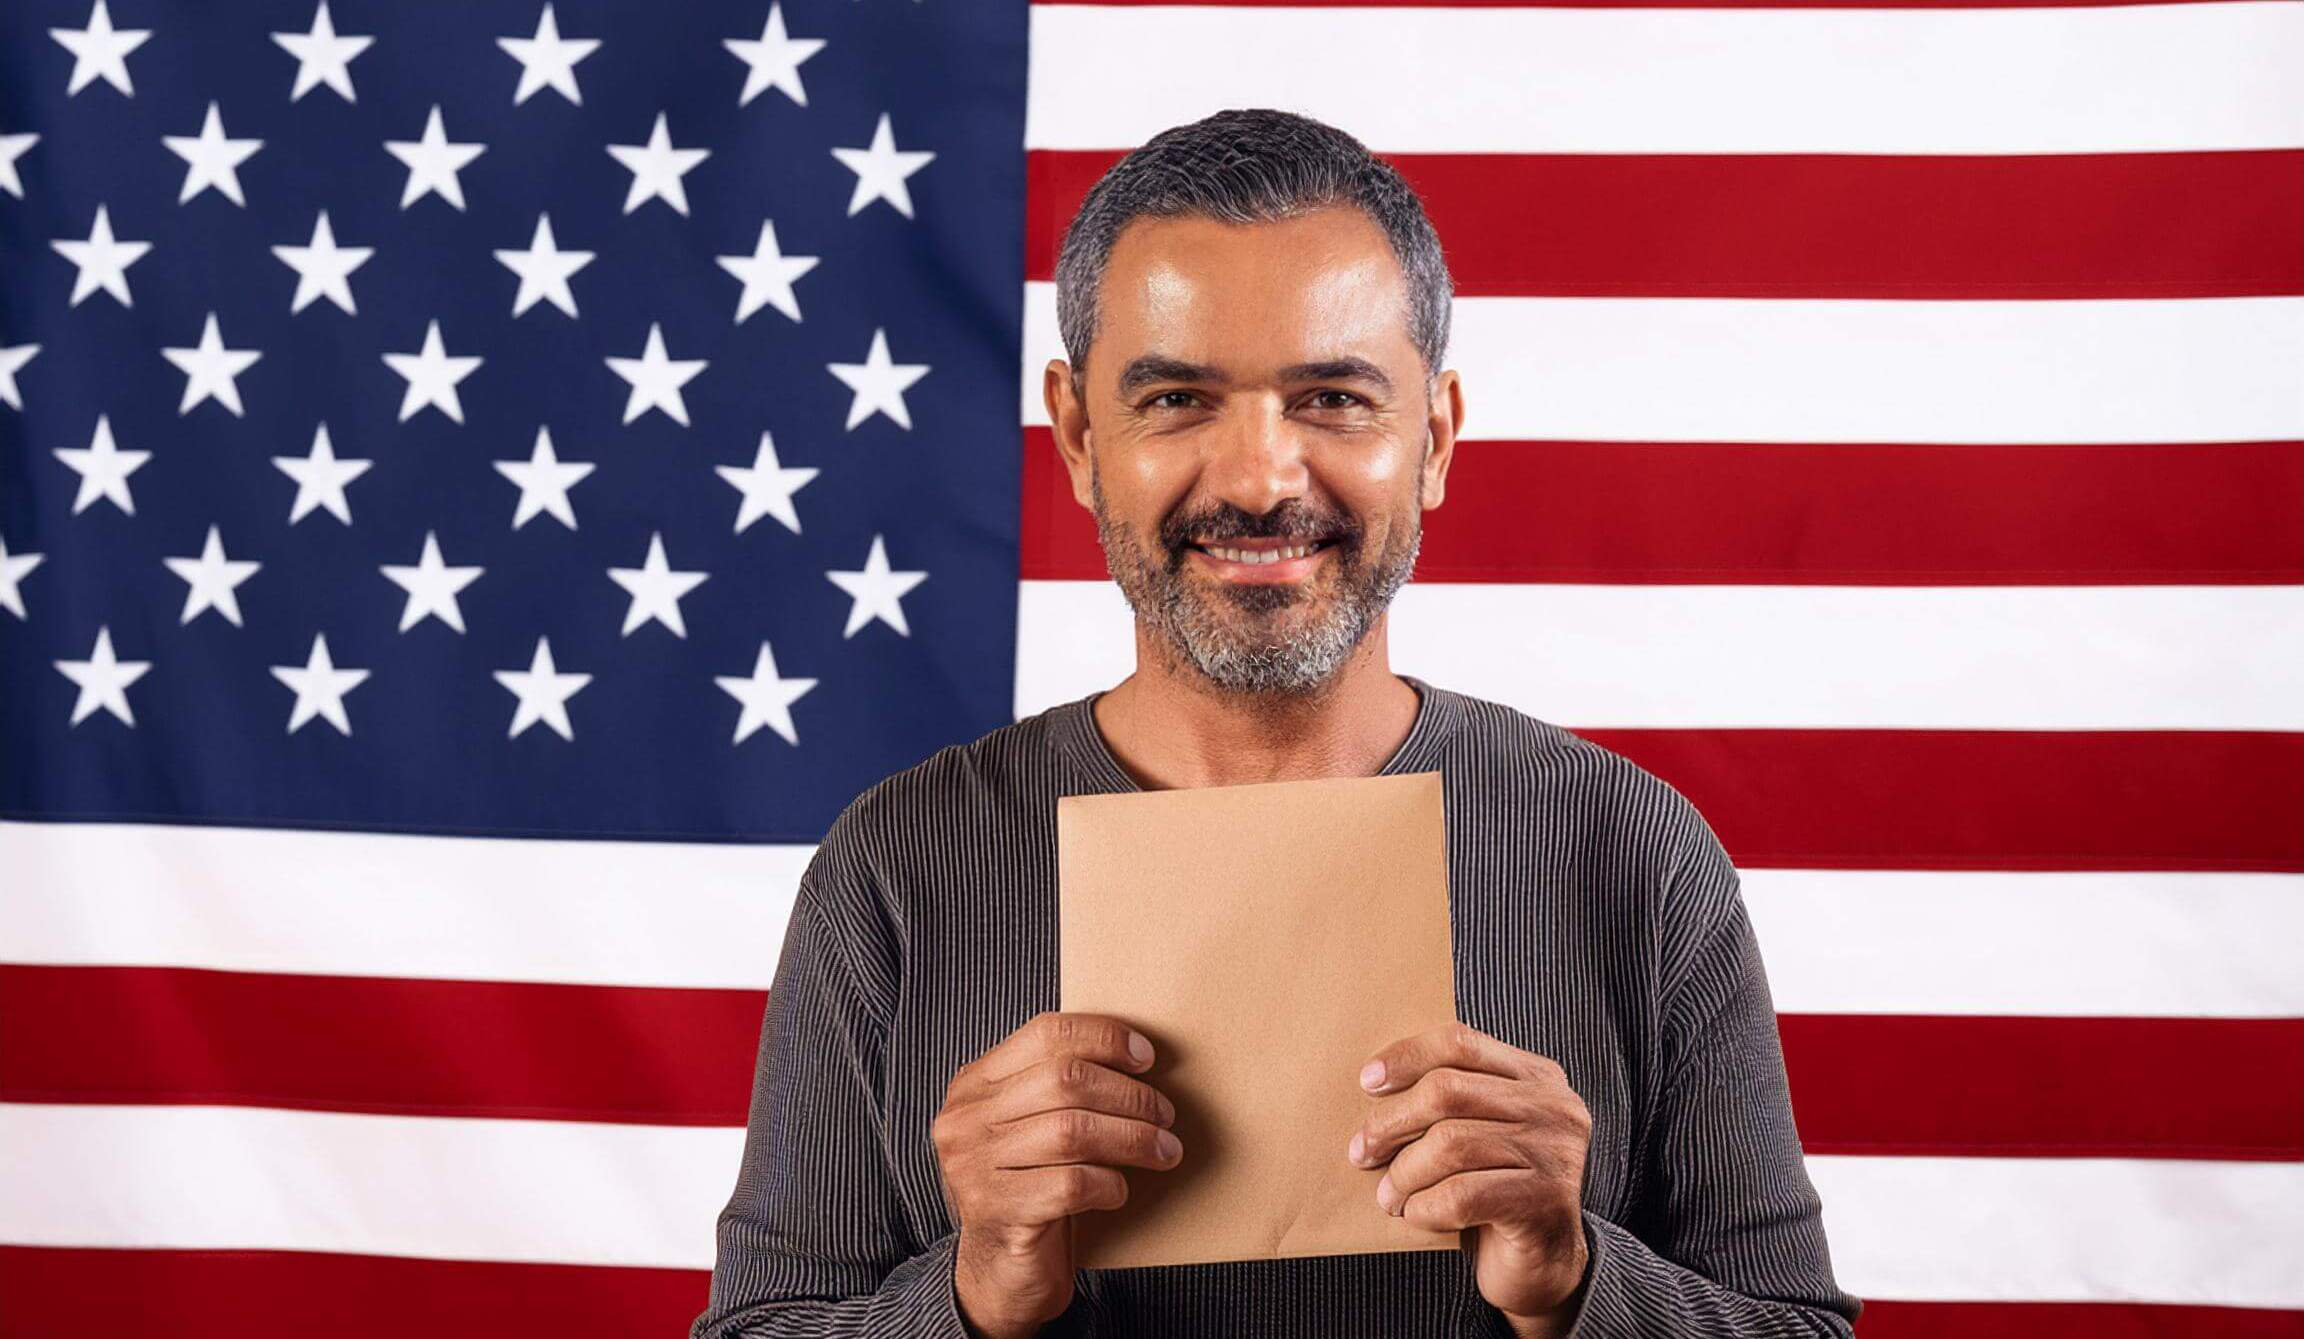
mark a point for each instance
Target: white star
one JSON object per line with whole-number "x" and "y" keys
{"x": 100, "y": 51}
{"x": 767, "y": 699}
{"x": 774, "y": 60}
{"x": 767, "y": 487}
{"x": 656, "y": 168}
{"x": 102, "y": 261}
{"x": 655, "y": 589}
{"x": 656, "y": 379}
{"x": 212, "y": 578}
{"x": 432, "y": 376}
{"x": 881, "y": 169}
{"x": 876, "y": 591}
{"x": 767, "y": 275}
{"x": 432, "y": 587}
{"x": 544, "y": 482}
{"x": 103, "y": 679}
{"x": 14, "y": 567}
{"x": 433, "y": 162}
{"x": 544, "y": 270}
{"x": 12, "y": 361}
{"x": 322, "y": 57}
{"x": 13, "y": 147}
{"x": 543, "y": 692}
{"x": 211, "y": 160}
{"x": 323, "y": 269}
{"x": 320, "y": 687}
{"x": 879, "y": 383}
{"x": 103, "y": 469}
{"x": 209, "y": 369}
{"x": 320, "y": 478}
{"x": 548, "y": 60}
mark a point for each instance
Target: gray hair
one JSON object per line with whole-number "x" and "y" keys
{"x": 1251, "y": 165}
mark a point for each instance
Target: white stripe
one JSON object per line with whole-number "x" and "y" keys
{"x": 2065, "y": 1229}
{"x": 1837, "y": 941}
{"x": 234, "y": 1178}
{"x": 1566, "y": 80}
{"x": 2065, "y": 944}
{"x": 1783, "y": 370}
{"x": 369, "y": 904}
{"x": 1989, "y": 657}
{"x": 555, "y": 1191}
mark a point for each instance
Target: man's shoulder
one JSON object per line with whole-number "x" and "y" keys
{"x": 1500, "y": 737}
{"x": 1593, "y": 805}
{"x": 1513, "y": 757}
{"x": 959, "y": 783}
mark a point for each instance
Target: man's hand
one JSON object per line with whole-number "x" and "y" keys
{"x": 1483, "y": 1135}
{"x": 1032, "y": 1132}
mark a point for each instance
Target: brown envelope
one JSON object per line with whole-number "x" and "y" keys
{"x": 1268, "y": 939}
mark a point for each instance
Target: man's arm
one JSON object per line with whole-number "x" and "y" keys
{"x": 1730, "y": 1233}
{"x": 814, "y": 1240}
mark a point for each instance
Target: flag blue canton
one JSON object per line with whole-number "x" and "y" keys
{"x": 751, "y": 650}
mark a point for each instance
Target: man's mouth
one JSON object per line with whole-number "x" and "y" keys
{"x": 1261, "y": 550}
{"x": 1263, "y": 559}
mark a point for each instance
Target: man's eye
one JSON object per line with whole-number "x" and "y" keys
{"x": 1348, "y": 398}
{"x": 1157, "y": 401}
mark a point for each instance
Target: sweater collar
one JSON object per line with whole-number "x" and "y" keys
{"x": 1083, "y": 745}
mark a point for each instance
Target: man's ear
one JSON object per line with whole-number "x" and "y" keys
{"x": 1444, "y": 420}
{"x": 1068, "y": 424}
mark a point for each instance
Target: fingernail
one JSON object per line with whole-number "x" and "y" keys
{"x": 1140, "y": 1048}
{"x": 1372, "y": 1075}
{"x": 1358, "y": 1147}
{"x": 1384, "y": 1193}
{"x": 1169, "y": 1146}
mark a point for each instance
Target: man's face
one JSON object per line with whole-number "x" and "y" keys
{"x": 1253, "y": 390}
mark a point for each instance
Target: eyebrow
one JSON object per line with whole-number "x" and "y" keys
{"x": 1146, "y": 369}
{"x": 1346, "y": 368}
{"x": 1151, "y": 368}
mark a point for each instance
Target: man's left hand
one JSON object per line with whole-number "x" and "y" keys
{"x": 1482, "y": 1135}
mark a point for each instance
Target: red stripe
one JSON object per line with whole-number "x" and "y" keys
{"x": 2127, "y": 225}
{"x": 2030, "y": 1086}
{"x": 2072, "y": 1320}
{"x": 379, "y": 1044}
{"x": 2047, "y": 1087}
{"x": 1989, "y": 799}
{"x": 2225, "y": 513}
{"x": 53, "y": 1293}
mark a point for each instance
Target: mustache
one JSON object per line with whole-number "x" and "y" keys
{"x": 1291, "y": 520}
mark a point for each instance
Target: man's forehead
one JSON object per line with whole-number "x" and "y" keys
{"x": 1334, "y": 256}
{"x": 1196, "y": 299}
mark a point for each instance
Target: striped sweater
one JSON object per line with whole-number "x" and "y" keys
{"x": 1595, "y": 919}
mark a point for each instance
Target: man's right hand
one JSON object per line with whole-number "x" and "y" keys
{"x": 1031, "y": 1132}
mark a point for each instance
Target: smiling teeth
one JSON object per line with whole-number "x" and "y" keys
{"x": 1260, "y": 556}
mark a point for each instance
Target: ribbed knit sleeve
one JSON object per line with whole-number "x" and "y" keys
{"x": 813, "y": 1240}
{"x": 1730, "y": 1237}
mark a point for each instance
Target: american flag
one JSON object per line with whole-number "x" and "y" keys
{"x": 482, "y": 485}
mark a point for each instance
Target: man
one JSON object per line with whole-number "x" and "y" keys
{"x": 1254, "y": 312}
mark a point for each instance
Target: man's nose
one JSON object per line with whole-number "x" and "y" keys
{"x": 1258, "y": 460}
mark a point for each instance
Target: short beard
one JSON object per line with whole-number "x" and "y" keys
{"x": 1202, "y": 633}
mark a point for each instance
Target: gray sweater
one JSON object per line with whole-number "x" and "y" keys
{"x": 1596, "y": 920}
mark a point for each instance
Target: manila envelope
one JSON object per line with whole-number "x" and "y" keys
{"x": 1268, "y": 939}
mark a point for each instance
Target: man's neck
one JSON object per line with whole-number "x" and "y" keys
{"x": 1172, "y": 729}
